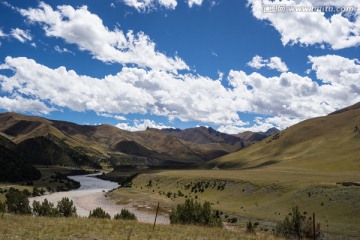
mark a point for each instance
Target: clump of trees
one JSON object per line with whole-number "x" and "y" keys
{"x": 45, "y": 208}
{"x": 125, "y": 215}
{"x": 17, "y": 201}
{"x": 193, "y": 212}
{"x": 297, "y": 225}
{"x": 99, "y": 213}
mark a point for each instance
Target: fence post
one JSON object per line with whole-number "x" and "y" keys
{"x": 157, "y": 210}
{"x": 314, "y": 235}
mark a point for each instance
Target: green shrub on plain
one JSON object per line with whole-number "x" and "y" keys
{"x": 66, "y": 207}
{"x": 99, "y": 213}
{"x": 17, "y": 201}
{"x": 192, "y": 212}
{"x": 125, "y": 215}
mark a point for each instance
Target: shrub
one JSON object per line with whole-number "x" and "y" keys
{"x": 250, "y": 227}
{"x": 66, "y": 207}
{"x": 17, "y": 201}
{"x": 99, "y": 213}
{"x": 2, "y": 209}
{"x": 125, "y": 215}
{"x": 45, "y": 208}
{"x": 194, "y": 213}
{"x": 295, "y": 225}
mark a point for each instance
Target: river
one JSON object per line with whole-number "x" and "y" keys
{"x": 91, "y": 195}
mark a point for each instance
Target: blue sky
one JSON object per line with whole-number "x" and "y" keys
{"x": 178, "y": 63}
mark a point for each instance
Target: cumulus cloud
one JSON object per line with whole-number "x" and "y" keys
{"x": 148, "y": 5}
{"x": 261, "y": 124}
{"x": 87, "y": 31}
{"x": 301, "y": 26}
{"x": 286, "y": 98}
{"x": 191, "y": 3}
{"x": 21, "y": 35}
{"x": 20, "y": 104}
{"x": 273, "y": 63}
{"x": 133, "y": 90}
{"x": 141, "y": 125}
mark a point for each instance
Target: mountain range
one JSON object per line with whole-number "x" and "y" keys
{"x": 48, "y": 142}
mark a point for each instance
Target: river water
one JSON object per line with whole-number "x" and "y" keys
{"x": 91, "y": 195}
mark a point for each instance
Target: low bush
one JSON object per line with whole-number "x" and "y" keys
{"x": 125, "y": 215}
{"x": 192, "y": 212}
{"x": 99, "y": 213}
{"x": 296, "y": 225}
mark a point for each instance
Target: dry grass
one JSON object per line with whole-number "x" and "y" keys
{"x": 27, "y": 227}
{"x": 265, "y": 195}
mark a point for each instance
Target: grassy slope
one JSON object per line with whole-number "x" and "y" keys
{"x": 25, "y": 227}
{"x": 324, "y": 144}
{"x": 257, "y": 194}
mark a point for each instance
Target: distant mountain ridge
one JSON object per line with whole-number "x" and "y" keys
{"x": 203, "y": 135}
{"x": 44, "y": 141}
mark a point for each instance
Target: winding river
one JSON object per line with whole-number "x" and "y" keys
{"x": 91, "y": 195}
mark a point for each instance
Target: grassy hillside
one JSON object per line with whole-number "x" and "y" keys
{"x": 326, "y": 144}
{"x": 24, "y": 227}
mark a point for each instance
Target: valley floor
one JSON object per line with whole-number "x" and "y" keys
{"x": 263, "y": 195}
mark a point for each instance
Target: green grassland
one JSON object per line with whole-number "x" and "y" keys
{"x": 262, "y": 195}
{"x": 324, "y": 144}
{"x": 26, "y": 227}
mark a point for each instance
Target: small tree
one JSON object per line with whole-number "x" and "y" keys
{"x": 45, "y": 208}
{"x": 2, "y": 209}
{"x": 125, "y": 215}
{"x": 17, "y": 201}
{"x": 295, "y": 225}
{"x": 99, "y": 213}
{"x": 66, "y": 207}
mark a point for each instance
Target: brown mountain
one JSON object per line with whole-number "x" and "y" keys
{"x": 44, "y": 141}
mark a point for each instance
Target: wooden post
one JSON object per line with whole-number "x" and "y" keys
{"x": 314, "y": 230}
{"x": 157, "y": 210}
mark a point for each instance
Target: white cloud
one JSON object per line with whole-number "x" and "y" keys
{"x": 21, "y": 35}
{"x": 87, "y": 31}
{"x": 20, "y": 104}
{"x": 148, "y": 5}
{"x": 133, "y": 90}
{"x": 339, "y": 30}
{"x": 120, "y": 118}
{"x": 260, "y": 125}
{"x": 191, "y": 3}
{"x": 63, "y": 50}
{"x": 286, "y": 98}
{"x": 117, "y": 117}
{"x": 141, "y": 125}
{"x": 294, "y": 96}
{"x": 273, "y": 63}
